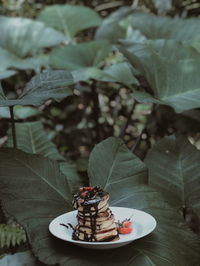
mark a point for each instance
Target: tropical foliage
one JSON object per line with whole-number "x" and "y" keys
{"x": 109, "y": 99}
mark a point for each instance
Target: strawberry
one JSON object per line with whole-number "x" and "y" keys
{"x": 124, "y": 230}
{"x": 84, "y": 194}
{"x": 86, "y": 189}
{"x": 124, "y": 227}
{"x": 89, "y": 188}
{"x": 126, "y": 223}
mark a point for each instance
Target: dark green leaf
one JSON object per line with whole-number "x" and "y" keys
{"x": 120, "y": 72}
{"x": 86, "y": 73}
{"x": 48, "y": 85}
{"x": 185, "y": 30}
{"x": 83, "y": 55}
{"x": 22, "y": 36}
{"x": 73, "y": 178}
{"x": 120, "y": 168}
{"x": 171, "y": 69}
{"x": 111, "y": 29}
{"x": 51, "y": 195}
{"x": 174, "y": 170}
{"x": 32, "y": 138}
{"x": 9, "y": 60}
{"x": 39, "y": 192}
{"x": 69, "y": 19}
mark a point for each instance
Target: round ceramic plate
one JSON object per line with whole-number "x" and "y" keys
{"x": 142, "y": 224}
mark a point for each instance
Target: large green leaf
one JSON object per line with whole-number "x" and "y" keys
{"x": 171, "y": 69}
{"x": 159, "y": 27}
{"x": 39, "y": 191}
{"x": 171, "y": 244}
{"x": 48, "y": 85}
{"x": 174, "y": 170}
{"x": 83, "y": 55}
{"x": 9, "y": 60}
{"x": 84, "y": 59}
{"x": 120, "y": 166}
{"x": 22, "y": 36}
{"x": 69, "y": 19}
{"x": 119, "y": 72}
{"x": 111, "y": 29}
{"x": 32, "y": 138}
{"x": 74, "y": 179}
{"x": 21, "y": 39}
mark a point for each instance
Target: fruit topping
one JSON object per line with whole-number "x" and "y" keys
{"x": 86, "y": 189}
{"x": 124, "y": 230}
{"x": 84, "y": 194}
{"x": 124, "y": 227}
{"x": 126, "y": 223}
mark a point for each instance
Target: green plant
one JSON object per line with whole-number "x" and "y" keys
{"x": 126, "y": 86}
{"x": 129, "y": 188}
{"x": 22, "y": 42}
{"x": 11, "y": 235}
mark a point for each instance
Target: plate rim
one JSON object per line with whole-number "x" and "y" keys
{"x": 120, "y": 241}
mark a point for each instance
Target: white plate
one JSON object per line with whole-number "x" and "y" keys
{"x": 142, "y": 224}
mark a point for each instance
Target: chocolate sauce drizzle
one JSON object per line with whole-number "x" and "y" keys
{"x": 89, "y": 203}
{"x": 68, "y": 225}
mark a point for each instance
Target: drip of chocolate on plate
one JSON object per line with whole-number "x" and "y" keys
{"x": 95, "y": 220}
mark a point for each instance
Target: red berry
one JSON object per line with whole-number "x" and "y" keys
{"x": 126, "y": 223}
{"x": 124, "y": 230}
{"x": 86, "y": 189}
{"x": 89, "y": 188}
{"x": 83, "y": 194}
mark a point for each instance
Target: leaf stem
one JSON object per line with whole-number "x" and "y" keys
{"x": 145, "y": 130}
{"x": 123, "y": 130}
{"x": 13, "y": 127}
{"x": 96, "y": 110}
{"x": 137, "y": 142}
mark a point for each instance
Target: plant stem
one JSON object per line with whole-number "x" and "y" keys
{"x": 145, "y": 130}
{"x": 96, "y": 110}
{"x": 13, "y": 127}
{"x": 123, "y": 131}
{"x": 137, "y": 142}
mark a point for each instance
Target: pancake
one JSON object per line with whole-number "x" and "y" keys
{"x": 95, "y": 220}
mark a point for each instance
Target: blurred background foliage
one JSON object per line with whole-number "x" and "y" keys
{"x": 98, "y": 109}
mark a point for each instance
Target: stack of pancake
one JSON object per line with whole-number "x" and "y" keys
{"x": 95, "y": 220}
